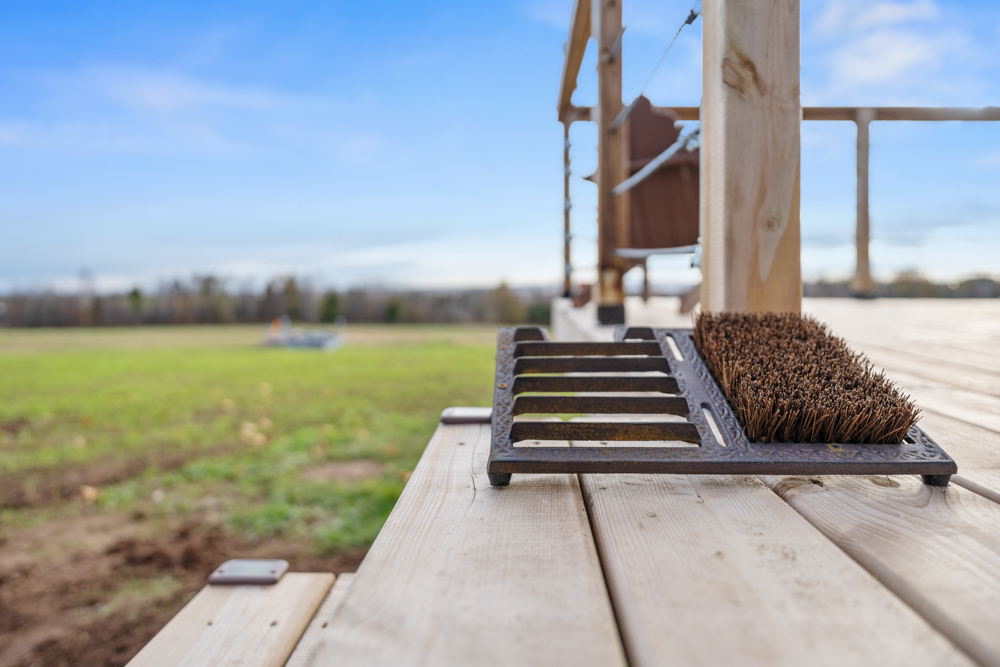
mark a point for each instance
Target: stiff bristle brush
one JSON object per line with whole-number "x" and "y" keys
{"x": 790, "y": 380}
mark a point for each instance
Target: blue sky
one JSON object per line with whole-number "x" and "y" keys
{"x": 401, "y": 143}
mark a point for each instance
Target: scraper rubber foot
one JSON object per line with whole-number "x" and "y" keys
{"x": 503, "y": 478}
{"x": 935, "y": 480}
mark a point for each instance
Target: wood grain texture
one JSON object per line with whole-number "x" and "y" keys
{"x": 612, "y": 211}
{"x": 936, "y": 548}
{"x": 238, "y": 625}
{"x": 862, "y": 283}
{"x": 918, "y": 363}
{"x": 464, "y": 573}
{"x": 309, "y": 642}
{"x": 947, "y": 371}
{"x": 959, "y": 332}
{"x": 716, "y": 570}
{"x": 750, "y": 156}
{"x": 881, "y": 113}
{"x": 576, "y": 46}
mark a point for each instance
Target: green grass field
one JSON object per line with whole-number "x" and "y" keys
{"x": 134, "y": 461}
{"x": 166, "y": 421}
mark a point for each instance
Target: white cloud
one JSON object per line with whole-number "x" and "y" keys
{"x": 9, "y": 135}
{"x": 889, "y": 56}
{"x": 888, "y": 13}
{"x": 854, "y": 15}
{"x": 130, "y": 109}
{"x": 989, "y": 160}
{"x": 361, "y": 148}
{"x": 164, "y": 92}
{"x": 555, "y": 13}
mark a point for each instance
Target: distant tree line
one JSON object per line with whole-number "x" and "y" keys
{"x": 207, "y": 300}
{"x": 913, "y": 285}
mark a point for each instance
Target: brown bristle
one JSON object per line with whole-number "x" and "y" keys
{"x": 790, "y": 380}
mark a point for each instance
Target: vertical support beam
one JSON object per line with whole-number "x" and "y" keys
{"x": 862, "y": 285}
{"x": 567, "y": 266}
{"x": 611, "y": 170}
{"x": 750, "y": 156}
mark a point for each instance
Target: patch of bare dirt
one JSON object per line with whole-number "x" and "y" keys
{"x": 344, "y": 471}
{"x": 14, "y": 426}
{"x": 94, "y": 589}
{"x": 38, "y": 488}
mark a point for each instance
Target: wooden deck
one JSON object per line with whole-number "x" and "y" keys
{"x": 701, "y": 570}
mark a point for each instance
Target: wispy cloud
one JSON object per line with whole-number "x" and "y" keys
{"x": 890, "y": 55}
{"x": 841, "y": 15}
{"x": 162, "y": 92}
{"x": 132, "y": 109}
{"x": 9, "y": 134}
{"x": 555, "y": 13}
{"x": 147, "y": 90}
{"x": 987, "y": 160}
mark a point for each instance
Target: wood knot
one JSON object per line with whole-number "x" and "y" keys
{"x": 739, "y": 72}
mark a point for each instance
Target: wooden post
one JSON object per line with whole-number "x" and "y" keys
{"x": 567, "y": 266}
{"x": 750, "y": 156}
{"x": 862, "y": 285}
{"x": 607, "y": 24}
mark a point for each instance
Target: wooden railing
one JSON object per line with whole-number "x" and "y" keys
{"x": 605, "y": 26}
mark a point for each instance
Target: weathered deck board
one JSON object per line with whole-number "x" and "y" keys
{"x": 309, "y": 643}
{"x": 930, "y": 367}
{"x": 936, "y": 548}
{"x": 463, "y": 573}
{"x": 715, "y": 570}
{"x": 972, "y": 407}
{"x": 960, "y": 332}
{"x": 238, "y": 625}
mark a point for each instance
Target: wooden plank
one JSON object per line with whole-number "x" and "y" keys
{"x": 969, "y": 406}
{"x": 465, "y": 573}
{"x": 750, "y": 156}
{"x": 936, "y": 548}
{"x": 931, "y": 367}
{"x": 712, "y": 570}
{"x": 576, "y": 46}
{"x": 925, "y": 328}
{"x": 612, "y": 169}
{"x": 309, "y": 643}
{"x": 881, "y": 113}
{"x": 239, "y": 625}
{"x": 862, "y": 283}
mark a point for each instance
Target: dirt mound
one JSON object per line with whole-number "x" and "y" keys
{"x": 94, "y": 589}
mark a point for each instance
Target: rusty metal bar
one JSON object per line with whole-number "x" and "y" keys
{"x": 562, "y": 383}
{"x": 591, "y": 365}
{"x": 600, "y": 405}
{"x": 604, "y": 431}
{"x": 548, "y": 349}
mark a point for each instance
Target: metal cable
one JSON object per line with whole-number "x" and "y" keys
{"x": 694, "y": 14}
